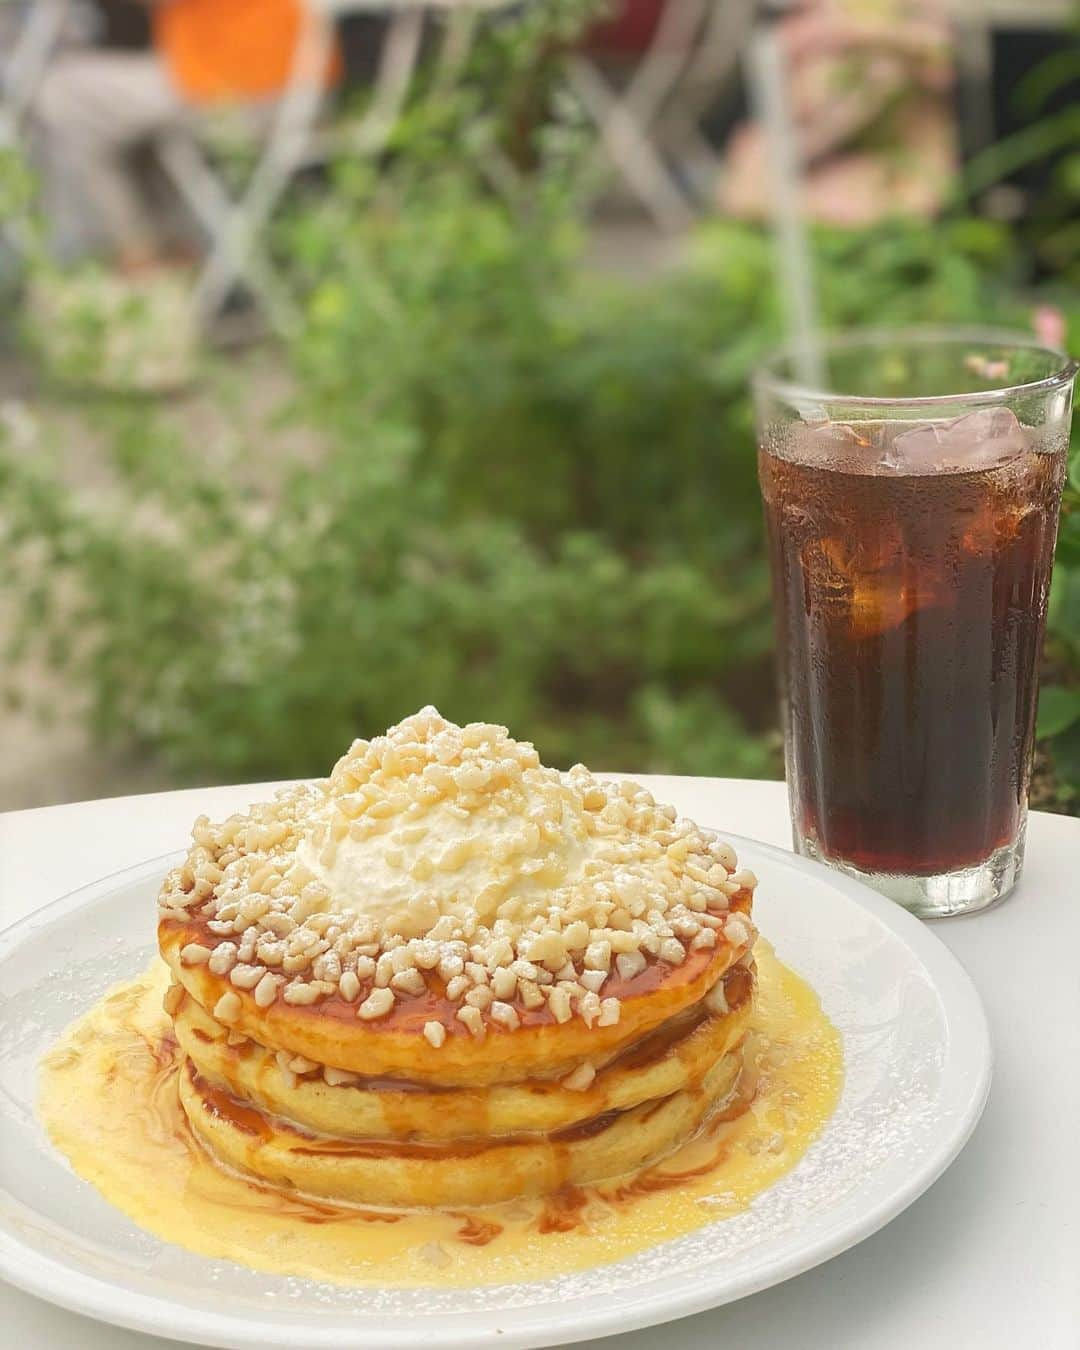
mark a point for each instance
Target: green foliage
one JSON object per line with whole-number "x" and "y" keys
{"x": 17, "y": 187}
{"x": 509, "y": 487}
{"x": 1050, "y": 230}
{"x": 244, "y": 638}
{"x": 1059, "y": 705}
{"x": 1059, "y": 708}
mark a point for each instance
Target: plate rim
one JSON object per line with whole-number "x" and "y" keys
{"x": 52, "y": 1280}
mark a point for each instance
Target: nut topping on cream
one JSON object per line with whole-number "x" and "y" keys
{"x": 451, "y": 854}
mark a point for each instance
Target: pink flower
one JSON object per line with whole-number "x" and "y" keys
{"x": 1049, "y": 324}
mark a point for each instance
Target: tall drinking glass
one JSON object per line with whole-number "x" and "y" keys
{"x": 911, "y": 483}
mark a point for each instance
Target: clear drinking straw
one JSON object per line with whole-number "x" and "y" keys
{"x": 767, "y": 74}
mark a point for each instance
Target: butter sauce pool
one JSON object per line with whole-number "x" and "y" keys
{"x": 130, "y": 1139}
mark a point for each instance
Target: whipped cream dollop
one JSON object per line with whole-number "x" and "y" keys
{"x": 439, "y": 822}
{"x": 504, "y": 856}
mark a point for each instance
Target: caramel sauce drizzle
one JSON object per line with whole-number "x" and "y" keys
{"x": 562, "y": 1211}
{"x": 477, "y": 1232}
{"x": 411, "y": 1011}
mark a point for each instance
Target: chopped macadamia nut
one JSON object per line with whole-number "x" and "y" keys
{"x": 434, "y": 1033}
{"x": 716, "y": 998}
{"x": 339, "y": 1077}
{"x": 300, "y": 994}
{"x": 531, "y": 995}
{"x": 349, "y": 986}
{"x": 228, "y": 1008}
{"x": 266, "y": 990}
{"x": 737, "y": 930}
{"x": 504, "y": 1014}
{"x": 559, "y": 1003}
{"x": 246, "y": 977}
{"x": 672, "y": 951}
{"x": 593, "y": 980}
{"x": 222, "y": 958}
{"x": 504, "y": 983}
{"x": 377, "y": 1004}
{"x": 472, "y": 1018}
{"x": 448, "y": 860}
{"x": 301, "y": 1064}
{"x": 409, "y": 982}
{"x": 610, "y": 1008}
{"x": 581, "y": 1079}
{"x": 598, "y": 955}
{"x": 629, "y": 964}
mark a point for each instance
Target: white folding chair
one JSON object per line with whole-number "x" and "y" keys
{"x": 38, "y": 30}
{"x": 678, "y": 132}
{"x": 296, "y": 140}
{"x": 233, "y": 224}
{"x": 656, "y": 114}
{"x": 623, "y": 117}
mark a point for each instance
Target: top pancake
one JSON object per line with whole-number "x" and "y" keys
{"x": 447, "y": 909}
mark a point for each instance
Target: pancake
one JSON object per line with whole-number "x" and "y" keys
{"x": 396, "y": 1045}
{"x": 448, "y": 946}
{"x": 478, "y": 1172}
{"x": 674, "y": 1058}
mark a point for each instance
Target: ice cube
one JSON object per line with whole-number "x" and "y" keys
{"x": 985, "y": 438}
{"x": 915, "y": 451}
{"x": 831, "y": 444}
{"x": 978, "y": 440}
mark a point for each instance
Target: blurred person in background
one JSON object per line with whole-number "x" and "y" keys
{"x": 869, "y": 86}
{"x": 94, "y": 107}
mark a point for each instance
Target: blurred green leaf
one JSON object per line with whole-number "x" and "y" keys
{"x": 1058, "y": 709}
{"x": 491, "y": 478}
{"x": 1066, "y": 756}
{"x": 1041, "y": 83}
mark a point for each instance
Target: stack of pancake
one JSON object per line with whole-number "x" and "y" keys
{"x": 448, "y": 975}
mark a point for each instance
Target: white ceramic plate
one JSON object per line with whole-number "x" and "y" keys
{"x": 917, "y": 1061}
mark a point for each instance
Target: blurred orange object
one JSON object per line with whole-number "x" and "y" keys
{"x": 220, "y": 50}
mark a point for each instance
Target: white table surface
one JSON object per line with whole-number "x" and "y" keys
{"x": 988, "y": 1259}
